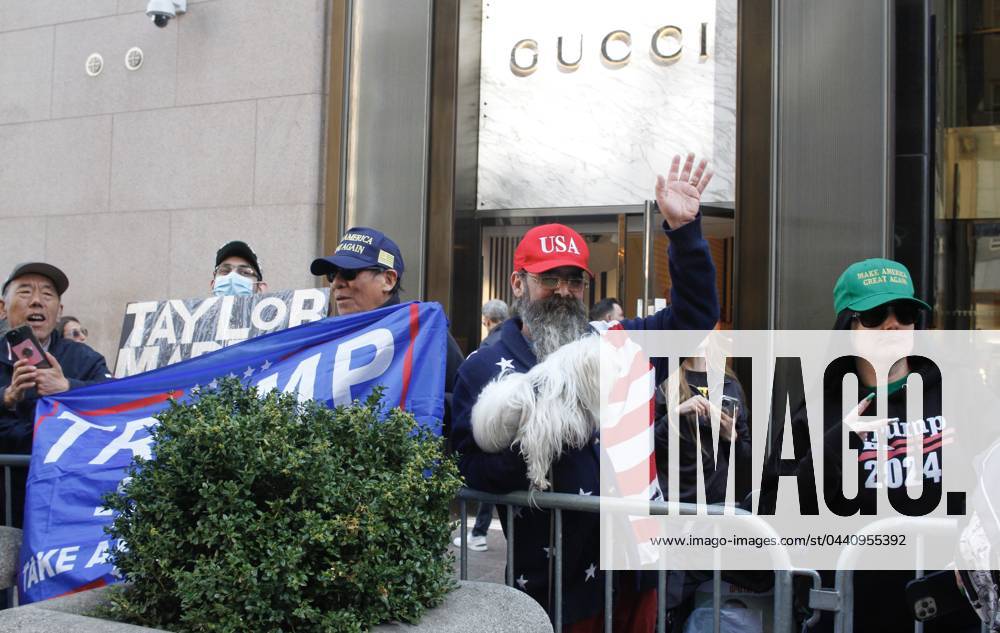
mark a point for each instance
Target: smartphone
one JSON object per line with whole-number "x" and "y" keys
{"x": 24, "y": 346}
{"x": 730, "y": 406}
{"x": 934, "y": 595}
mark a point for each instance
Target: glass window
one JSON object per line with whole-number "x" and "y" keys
{"x": 967, "y": 268}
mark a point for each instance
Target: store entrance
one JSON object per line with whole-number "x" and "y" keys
{"x": 628, "y": 260}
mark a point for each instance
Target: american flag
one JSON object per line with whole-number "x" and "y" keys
{"x": 627, "y": 431}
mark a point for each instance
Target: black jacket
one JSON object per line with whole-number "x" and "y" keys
{"x": 81, "y": 365}
{"x": 715, "y": 479}
{"x": 897, "y": 466}
{"x": 880, "y": 604}
{"x": 681, "y": 585}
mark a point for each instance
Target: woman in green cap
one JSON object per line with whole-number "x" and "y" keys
{"x": 878, "y": 294}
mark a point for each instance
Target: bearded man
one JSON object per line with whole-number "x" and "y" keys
{"x": 549, "y": 281}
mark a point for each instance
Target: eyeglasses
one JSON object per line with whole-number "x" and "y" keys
{"x": 242, "y": 270}
{"x": 905, "y": 311}
{"x": 350, "y": 274}
{"x": 552, "y": 282}
{"x": 76, "y": 333}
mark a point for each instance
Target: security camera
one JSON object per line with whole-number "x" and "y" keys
{"x": 160, "y": 11}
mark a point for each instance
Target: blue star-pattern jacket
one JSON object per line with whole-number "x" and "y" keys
{"x": 694, "y": 306}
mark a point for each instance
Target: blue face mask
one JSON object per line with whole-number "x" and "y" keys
{"x": 233, "y": 284}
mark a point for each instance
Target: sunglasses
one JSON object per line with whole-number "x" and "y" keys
{"x": 905, "y": 311}
{"x": 350, "y": 274}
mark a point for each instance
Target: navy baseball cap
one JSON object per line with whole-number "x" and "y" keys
{"x": 361, "y": 247}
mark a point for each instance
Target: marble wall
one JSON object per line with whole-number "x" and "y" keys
{"x": 598, "y": 133}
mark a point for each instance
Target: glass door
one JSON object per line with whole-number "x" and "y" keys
{"x": 629, "y": 263}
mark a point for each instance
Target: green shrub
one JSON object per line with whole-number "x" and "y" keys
{"x": 264, "y": 514}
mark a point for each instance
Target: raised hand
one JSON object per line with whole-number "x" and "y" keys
{"x": 679, "y": 194}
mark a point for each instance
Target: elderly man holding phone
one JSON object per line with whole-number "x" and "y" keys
{"x": 36, "y": 360}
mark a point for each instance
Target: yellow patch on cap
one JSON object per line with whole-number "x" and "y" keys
{"x": 386, "y": 259}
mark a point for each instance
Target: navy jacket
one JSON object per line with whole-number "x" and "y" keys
{"x": 694, "y": 306}
{"x": 81, "y": 366}
{"x": 492, "y": 337}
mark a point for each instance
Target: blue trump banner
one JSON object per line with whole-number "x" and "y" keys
{"x": 86, "y": 438}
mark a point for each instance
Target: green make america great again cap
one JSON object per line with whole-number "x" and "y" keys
{"x": 872, "y": 282}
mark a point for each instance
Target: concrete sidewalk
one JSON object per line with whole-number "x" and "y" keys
{"x": 485, "y": 566}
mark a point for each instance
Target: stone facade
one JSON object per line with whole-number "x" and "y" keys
{"x": 131, "y": 180}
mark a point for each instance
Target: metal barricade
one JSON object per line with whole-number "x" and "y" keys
{"x": 784, "y": 620}
{"x": 840, "y": 600}
{"x": 9, "y": 464}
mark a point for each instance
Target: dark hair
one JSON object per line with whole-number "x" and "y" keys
{"x": 61, "y": 324}
{"x": 844, "y": 318}
{"x": 603, "y": 308}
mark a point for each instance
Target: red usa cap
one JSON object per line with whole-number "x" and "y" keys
{"x": 551, "y": 246}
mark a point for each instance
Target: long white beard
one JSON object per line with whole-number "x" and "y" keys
{"x": 552, "y": 322}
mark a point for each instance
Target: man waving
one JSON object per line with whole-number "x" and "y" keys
{"x": 551, "y": 274}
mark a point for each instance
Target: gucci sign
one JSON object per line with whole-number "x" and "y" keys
{"x": 583, "y": 102}
{"x": 666, "y": 46}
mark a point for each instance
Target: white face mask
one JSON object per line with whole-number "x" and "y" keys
{"x": 233, "y": 284}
